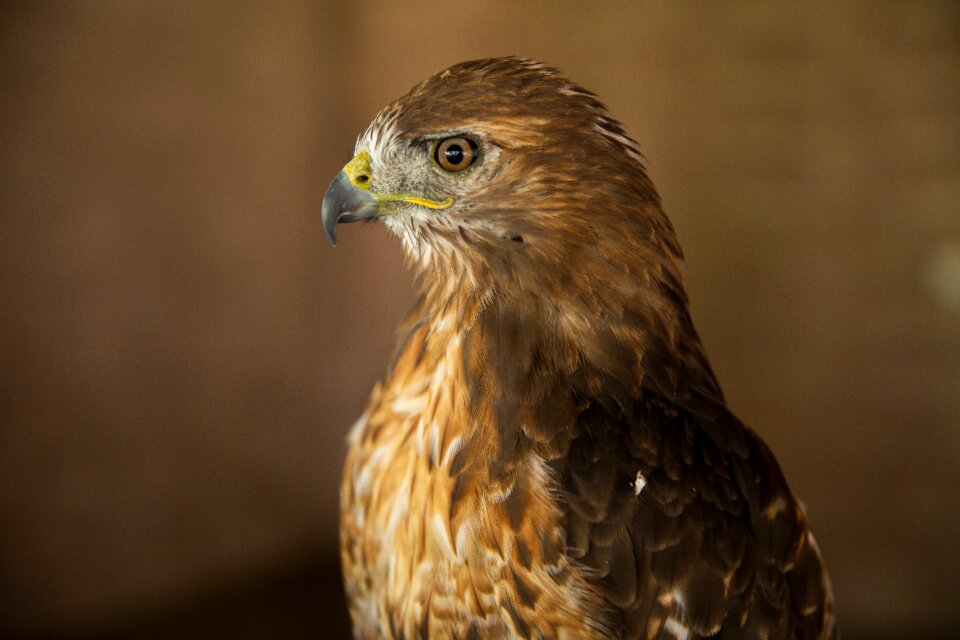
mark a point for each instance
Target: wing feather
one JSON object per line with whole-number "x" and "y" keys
{"x": 711, "y": 542}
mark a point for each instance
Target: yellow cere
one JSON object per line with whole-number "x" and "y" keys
{"x": 359, "y": 174}
{"x": 358, "y": 170}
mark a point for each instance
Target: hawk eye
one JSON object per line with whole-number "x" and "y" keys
{"x": 455, "y": 154}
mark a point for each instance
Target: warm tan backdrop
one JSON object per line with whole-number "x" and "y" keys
{"x": 182, "y": 352}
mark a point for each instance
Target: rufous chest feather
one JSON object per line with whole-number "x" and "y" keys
{"x": 433, "y": 541}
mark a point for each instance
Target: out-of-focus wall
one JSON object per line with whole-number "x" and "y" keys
{"x": 183, "y": 353}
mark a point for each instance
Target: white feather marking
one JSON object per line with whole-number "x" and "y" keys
{"x": 442, "y": 534}
{"x": 409, "y": 405}
{"x": 444, "y": 323}
{"x": 399, "y": 511}
{"x": 433, "y": 436}
{"x": 361, "y": 483}
{"x": 452, "y": 450}
{"x": 495, "y": 496}
{"x": 677, "y": 628}
{"x": 464, "y": 541}
{"x": 356, "y": 431}
{"x": 573, "y": 90}
{"x": 378, "y": 455}
{"x": 639, "y": 483}
{"x": 621, "y": 140}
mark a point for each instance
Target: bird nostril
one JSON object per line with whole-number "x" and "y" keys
{"x": 363, "y": 178}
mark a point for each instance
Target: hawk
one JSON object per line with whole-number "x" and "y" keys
{"x": 549, "y": 454}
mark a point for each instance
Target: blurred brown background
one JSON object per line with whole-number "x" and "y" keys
{"x": 183, "y": 353}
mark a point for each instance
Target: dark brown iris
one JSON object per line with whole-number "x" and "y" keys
{"x": 455, "y": 154}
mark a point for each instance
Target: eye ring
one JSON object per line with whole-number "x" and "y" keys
{"x": 455, "y": 153}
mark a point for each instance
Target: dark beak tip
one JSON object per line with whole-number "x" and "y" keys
{"x": 331, "y": 233}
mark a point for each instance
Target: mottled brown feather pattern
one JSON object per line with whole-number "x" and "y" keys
{"x": 549, "y": 454}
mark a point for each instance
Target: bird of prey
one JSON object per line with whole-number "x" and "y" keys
{"x": 549, "y": 454}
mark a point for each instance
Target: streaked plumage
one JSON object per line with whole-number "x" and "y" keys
{"x": 549, "y": 454}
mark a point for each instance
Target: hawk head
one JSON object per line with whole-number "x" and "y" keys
{"x": 502, "y": 175}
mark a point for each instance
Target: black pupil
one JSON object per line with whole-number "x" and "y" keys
{"x": 454, "y": 154}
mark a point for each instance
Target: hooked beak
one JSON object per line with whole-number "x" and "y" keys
{"x": 349, "y": 198}
{"x": 345, "y": 202}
